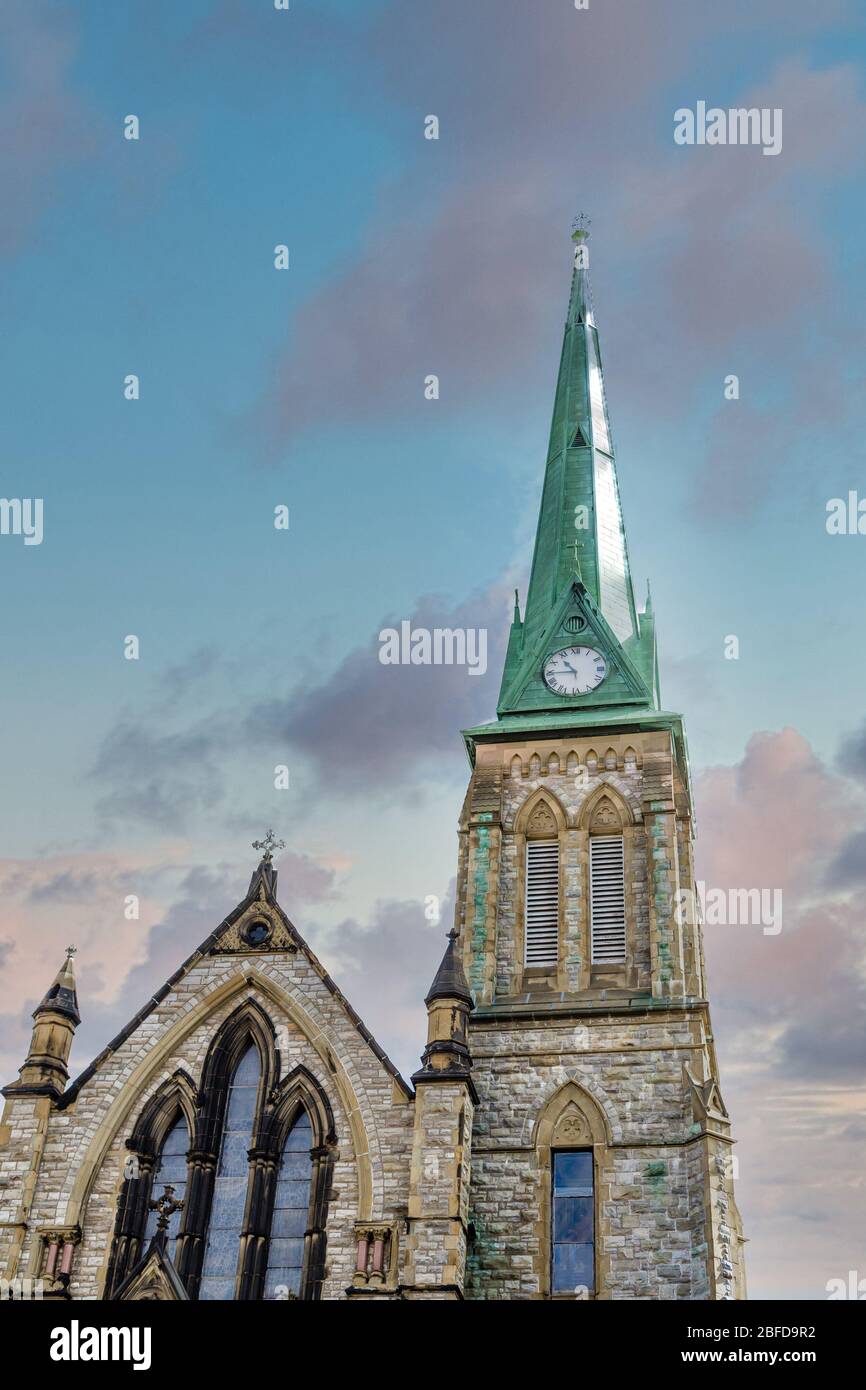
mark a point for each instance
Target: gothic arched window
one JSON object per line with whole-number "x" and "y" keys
{"x": 573, "y": 1234}
{"x": 156, "y": 1157}
{"x": 230, "y": 1186}
{"x": 260, "y": 1155}
{"x": 170, "y": 1170}
{"x": 291, "y": 1212}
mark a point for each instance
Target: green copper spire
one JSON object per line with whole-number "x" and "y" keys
{"x": 580, "y": 587}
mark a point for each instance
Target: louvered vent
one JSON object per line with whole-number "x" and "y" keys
{"x": 542, "y": 902}
{"x": 607, "y": 899}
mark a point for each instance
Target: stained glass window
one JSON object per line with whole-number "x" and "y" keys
{"x": 171, "y": 1169}
{"x": 573, "y": 1223}
{"x": 291, "y": 1208}
{"x": 230, "y": 1186}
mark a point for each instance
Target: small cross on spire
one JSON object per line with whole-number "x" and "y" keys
{"x": 575, "y": 546}
{"x": 268, "y": 845}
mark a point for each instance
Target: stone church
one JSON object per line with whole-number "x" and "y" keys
{"x": 565, "y": 1137}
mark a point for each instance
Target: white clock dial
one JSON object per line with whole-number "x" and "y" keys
{"x": 575, "y": 670}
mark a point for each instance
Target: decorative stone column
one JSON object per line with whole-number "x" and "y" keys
{"x": 58, "y": 1249}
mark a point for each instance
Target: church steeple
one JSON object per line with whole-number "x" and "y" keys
{"x": 580, "y": 587}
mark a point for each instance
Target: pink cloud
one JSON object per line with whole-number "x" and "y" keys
{"x": 772, "y": 819}
{"x": 789, "y": 1010}
{"x": 46, "y": 124}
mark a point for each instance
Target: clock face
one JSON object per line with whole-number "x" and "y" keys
{"x": 575, "y": 670}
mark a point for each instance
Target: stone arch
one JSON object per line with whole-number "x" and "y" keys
{"x": 542, "y": 813}
{"x": 516, "y": 767}
{"x": 176, "y": 1096}
{"x": 154, "y": 1060}
{"x": 248, "y": 1024}
{"x": 154, "y": 1122}
{"x": 299, "y": 1089}
{"x": 571, "y": 1117}
{"x": 565, "y": 1087}
{"x": 605, "y": 808}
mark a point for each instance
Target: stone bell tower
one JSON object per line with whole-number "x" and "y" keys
{"x": 602, "y": 1155}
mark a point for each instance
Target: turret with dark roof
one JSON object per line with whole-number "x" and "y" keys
{"x": 56, "y": 1018}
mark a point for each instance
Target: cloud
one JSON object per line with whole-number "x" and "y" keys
{"x": 428, "y": 295}
{"x": 459, "y": 272}
{"x": 852, "y": 755}
{"x": 777, "y": 820}
{"x": 741, "y": 461}
{"x": 47, "y": 126}
{"x": 385, "y": 966}
{"x": 849, "y": 866}
{"x": 382, "y": 728}
{"x": 789, "y": 1011}
{"x": 161, "y": 779}
{"x": 120, "y": 963}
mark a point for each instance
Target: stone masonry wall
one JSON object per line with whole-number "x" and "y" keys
{"x": 384, "y": 1113}
{"x": 648, "y": 1225}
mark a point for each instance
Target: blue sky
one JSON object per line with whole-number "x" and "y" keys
{"x": 305, "y": 388}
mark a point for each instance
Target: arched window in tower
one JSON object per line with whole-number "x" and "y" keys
{"x": 170, "y": 1170}
{"x": 290, "y": 1220}
{"x": 573, "y": 1242}
{"x": 230, "y": 1186}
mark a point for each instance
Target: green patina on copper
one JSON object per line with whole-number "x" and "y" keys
{"x": 580, "y": 587}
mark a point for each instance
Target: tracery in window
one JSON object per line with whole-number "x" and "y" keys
{"x": 230, "y": 1186}
{"x": 291, "y": 1212}
{"x": 170, "y": 1170}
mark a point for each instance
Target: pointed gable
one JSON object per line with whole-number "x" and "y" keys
{"x": 257, "y": 926}
{"x": 154, "y": 1279}
{"x": 575, "y": 620}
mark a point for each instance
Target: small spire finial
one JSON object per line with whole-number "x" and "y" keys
{"x": 648, "y": 606}
{"x": 580, "y": 227}
{"x": 268, "y": 845}
{"x": 71, "y": 951}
